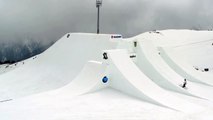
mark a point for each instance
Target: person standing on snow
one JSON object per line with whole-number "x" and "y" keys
{"x": 184, "y": 83}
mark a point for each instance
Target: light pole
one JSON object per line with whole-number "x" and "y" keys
{"x": 98, "y": 4}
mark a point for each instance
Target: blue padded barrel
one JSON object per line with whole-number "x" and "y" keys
{"x": 104, "y": 79}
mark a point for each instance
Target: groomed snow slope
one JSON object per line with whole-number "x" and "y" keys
{"x": 107, "y": 104}
{"x": 88, "y": 80}
{"x": 184, "y": 69}
{"x": 128, "y": 78}
{"x": 55, "y": 67}
{"x": 152, "y": 64}
{"x": 188, "y": 49}
{"x": 67, "y": 66}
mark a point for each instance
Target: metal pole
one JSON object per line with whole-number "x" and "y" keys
{"x": 98, "y": 4}
{"x": 98, "y": 20}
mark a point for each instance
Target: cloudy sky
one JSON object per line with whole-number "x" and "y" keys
{"x": 48, "y": 20}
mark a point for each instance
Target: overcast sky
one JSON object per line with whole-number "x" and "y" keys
{"x": 48, "y": 20}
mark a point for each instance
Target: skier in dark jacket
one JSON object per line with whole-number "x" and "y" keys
{"x": 184, "y": 83}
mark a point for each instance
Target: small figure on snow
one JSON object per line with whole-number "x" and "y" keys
{"x": 68, "y": 35}
{"x": 184, "y": 83}
{"x": 105, "y": 56}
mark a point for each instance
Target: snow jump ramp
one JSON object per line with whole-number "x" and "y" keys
{"x": 183, "y": 69}
{"x": 150, "y": 62}
{"x": 125, "y": 76}
{"x": 88, "y": 80}
{"x": 55, "y": 67}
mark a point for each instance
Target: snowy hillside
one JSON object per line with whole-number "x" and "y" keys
{"x": 90, "y": 76}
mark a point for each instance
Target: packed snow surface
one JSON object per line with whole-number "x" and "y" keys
{"x": 143, "y": 78}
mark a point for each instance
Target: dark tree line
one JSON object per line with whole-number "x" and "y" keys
{"x": 14, "y": 52}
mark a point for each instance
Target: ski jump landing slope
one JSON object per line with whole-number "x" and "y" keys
{"x": 55, "y": 67}
{"x": 150, "y": 62}
{"x": 88, "y": 80}
{"x": 183, "y": 69}
{"x": 125, "y": 76}
{"x": 153, "y": 65}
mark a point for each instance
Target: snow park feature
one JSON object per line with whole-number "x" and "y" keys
{"x": 54, "y": 68}
{"x": 104, "y": 76}
{"x": 186, "y": 70}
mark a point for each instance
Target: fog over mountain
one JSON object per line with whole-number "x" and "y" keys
{"x": 45, "y": 21}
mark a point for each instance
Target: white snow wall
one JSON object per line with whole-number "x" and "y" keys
{"x": 55, "y": 67}
{"x": 150, "y": 62}
{"x": 126, "y": 77}
{"x": 183, "y": 69}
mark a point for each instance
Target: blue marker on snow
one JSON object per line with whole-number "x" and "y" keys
{"x": 104, "y": 79}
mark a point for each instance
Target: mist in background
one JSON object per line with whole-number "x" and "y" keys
{"x": 42, "y": 22}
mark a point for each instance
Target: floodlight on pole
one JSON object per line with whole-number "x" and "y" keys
{"x": 98, "y": 4}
